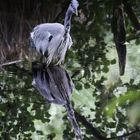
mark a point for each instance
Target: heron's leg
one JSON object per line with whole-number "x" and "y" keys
{"x": 58, "y": 63}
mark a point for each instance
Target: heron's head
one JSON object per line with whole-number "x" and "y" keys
{"x": 74, "y": 6}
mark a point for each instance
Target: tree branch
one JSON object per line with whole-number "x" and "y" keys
{"x": 96, "y": 133}
{"x": 10, "y": 63}
{"x": 89, "y": 126}
{"x": 125, "y": 135}
{"x": 131, "y": 15}
{"x": 135, "y": 36}
{"x": 118, "y": 29}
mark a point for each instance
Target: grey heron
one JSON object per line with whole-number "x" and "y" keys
{"x": 53, "y": 39}
{"x": 55, "y": 85}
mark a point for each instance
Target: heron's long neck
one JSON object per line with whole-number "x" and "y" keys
{"x": 67, "y": 22}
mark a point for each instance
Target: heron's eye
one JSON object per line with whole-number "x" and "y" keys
{"x": 50, "y": 38}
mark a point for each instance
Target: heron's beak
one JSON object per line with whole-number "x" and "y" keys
{"x": 76, "y": 12}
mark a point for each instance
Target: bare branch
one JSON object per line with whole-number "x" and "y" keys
{"x": 118, "y": 29}
{"x": 135, "y": 36}
{"x": 10, "y": 63}
{"x": 125, "y": 135}
{"x": 89, "y": 126}
{"x": 131, "y": 15}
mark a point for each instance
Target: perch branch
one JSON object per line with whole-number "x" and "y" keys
{"x": 135, "y": 36}
{"x": 96, "y": 133}
{"x": 89, "y": 126}
{"x": 10, "y": 63}
{"x": 125, "y": 135}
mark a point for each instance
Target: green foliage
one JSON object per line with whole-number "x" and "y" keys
{"x": 128, "y": 98}
{"x": 16, "y": 99}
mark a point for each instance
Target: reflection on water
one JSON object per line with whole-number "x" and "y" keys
{"x": 56, "y": 86}
{"x": 53, "y": 83}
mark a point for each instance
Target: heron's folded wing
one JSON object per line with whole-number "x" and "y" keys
{"x": 58, "y": 95}
{"x": 61, "y": 80}
{"x": 42, "y": 85}
{"x": 41, "y": 38}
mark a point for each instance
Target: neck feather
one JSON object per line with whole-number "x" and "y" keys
{"x": 67, "y": 22}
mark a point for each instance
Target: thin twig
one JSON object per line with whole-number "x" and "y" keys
{"x": 131, "y": 15}
{"x": 11, "y": 63}
{"x": 125, "y": 135}
{"x": 130, "y": 38}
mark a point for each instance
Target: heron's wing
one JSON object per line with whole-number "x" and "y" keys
{"x": 57, "y": 30}
{"x": 40, "y": 39}
{"x": 57, "y": 93}
{"x": 42, "y": 85}
{"x": 47, "y": 38}
{"x": 43, "y": 82}
{"x": 62, "y": 82}
{"x": 53, "y": 28}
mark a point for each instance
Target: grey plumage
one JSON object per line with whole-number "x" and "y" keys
{"x": 53, "y": 83}
{"x": 53, "y": 39}
{"x": 56, "y": 86}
